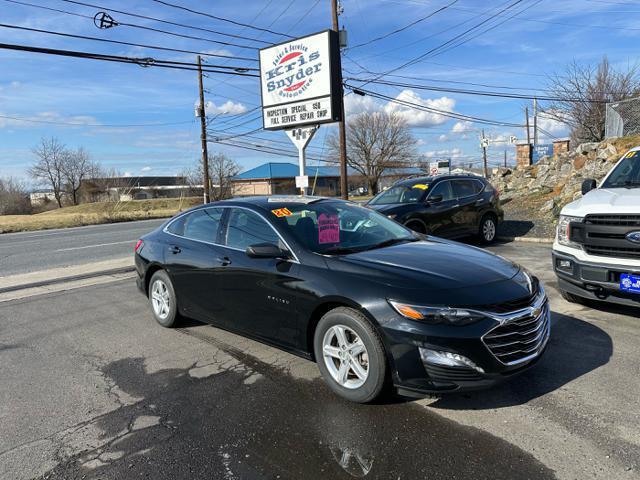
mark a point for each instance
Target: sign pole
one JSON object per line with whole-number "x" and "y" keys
{"x": 301, "y": 138}
{"x": 342, "y": 133}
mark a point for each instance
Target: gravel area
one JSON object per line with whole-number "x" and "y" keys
{"x": 524, "y": 218}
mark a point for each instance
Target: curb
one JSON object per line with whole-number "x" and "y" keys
{"x": 525, "y": 239}
{"x": 53, "y": 281}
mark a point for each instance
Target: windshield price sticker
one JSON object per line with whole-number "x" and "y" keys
{"x": 631, "y": 154}
{"x": 328, "y": 228}
{"x": 282, "y": 212}
{"x": 421, "y": 186}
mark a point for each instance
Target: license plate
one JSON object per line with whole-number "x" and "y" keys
{"x": 630, "y": 283}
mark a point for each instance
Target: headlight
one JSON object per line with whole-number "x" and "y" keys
{"x": 454, "y": 316}
{"x": 563, "y": 230}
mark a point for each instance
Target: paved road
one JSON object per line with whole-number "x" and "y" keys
{"x": 33, "y": 251}
{"x": 91, "y": 387}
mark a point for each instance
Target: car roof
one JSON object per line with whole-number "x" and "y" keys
{"x": 436, "y": 178}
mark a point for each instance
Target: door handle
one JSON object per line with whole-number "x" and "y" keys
{"x": 480, "y": 201}
{"x": 224, "y": 261}
{"x": 175, "y": 249}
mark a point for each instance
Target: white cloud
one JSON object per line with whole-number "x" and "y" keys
{"x": 419, "y": 118}
{"x": 452, "y": 153}
{"x": 227, "y": 108}
{"x": 551, "y": 125}
{"x": 146, "y": 169}
{"x": 127, "y": 174}
{"x": 356, "y": 104}
{"x": 443, "y": 138}
{"x": 52, "y": 118}
{"x": 462, "y": 127}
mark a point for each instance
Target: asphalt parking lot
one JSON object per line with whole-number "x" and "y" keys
{"x": 91, "y": 387}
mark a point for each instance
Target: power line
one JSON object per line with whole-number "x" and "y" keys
{"x": 222, "y": 19}
{"x": 132, "y": 25}
{"x": 401, "y": 29}
{"x": 444, "y": 113}
{"x": 304, "y": 15}
{"x": 167, "y": 22}
{"x": 77, "y": 124}
{"x": 118, "y": 42}
{"x": 433, "y": 88}
{"x": 144, "y": 62}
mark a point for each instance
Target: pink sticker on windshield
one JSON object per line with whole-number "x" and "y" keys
{"x": 328, "y": 228}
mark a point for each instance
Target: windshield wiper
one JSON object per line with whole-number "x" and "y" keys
{"x": 391, "y": 241}
{"x": 337, "y": 250}
{"x": 631, "y": 184}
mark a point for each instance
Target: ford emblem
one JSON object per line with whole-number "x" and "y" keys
{"x": 633, "y": 237}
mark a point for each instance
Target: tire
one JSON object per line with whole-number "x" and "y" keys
{"x": 571, "y": 298}
{"x": 163, "y": 300}
{"x": 370, "y": 358}
{"x": 488, "y": 229}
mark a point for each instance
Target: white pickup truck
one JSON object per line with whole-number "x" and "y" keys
{"x": 596, "y": 253}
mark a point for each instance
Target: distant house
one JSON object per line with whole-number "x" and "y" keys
{"x": 42, "y": 197}
{"x": 279, "y": 178}
{"x": 136, "y": 188}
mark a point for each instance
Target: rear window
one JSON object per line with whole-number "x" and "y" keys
{"x": 401, "y": 194}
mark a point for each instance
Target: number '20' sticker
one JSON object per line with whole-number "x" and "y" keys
{"x": 281, "y": 212}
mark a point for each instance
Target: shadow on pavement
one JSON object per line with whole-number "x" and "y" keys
{"x": 576, "y": 348}
{"x": 254, "y": 421}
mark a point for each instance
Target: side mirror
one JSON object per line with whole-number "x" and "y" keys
{"x": 265, "y": 250}
{"x": 588, "y": 185}
{"x": 435, "y": 199}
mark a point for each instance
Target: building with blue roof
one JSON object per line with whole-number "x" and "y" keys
{"x": 278, "y": 178}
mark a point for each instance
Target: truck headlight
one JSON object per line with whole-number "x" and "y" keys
{"x": 563, "y": 230}
{"x": 454, "y": 316}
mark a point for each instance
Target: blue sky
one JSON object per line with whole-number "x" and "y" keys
{"x": 520, "y": 53}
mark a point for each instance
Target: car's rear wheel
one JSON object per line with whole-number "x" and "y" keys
{"x": 162, "y": 298}
{"x": 417, "y": 226}
{"x": 350, "y": 355}
{"x": 488, "y": 229}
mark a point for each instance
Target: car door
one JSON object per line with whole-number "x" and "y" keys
{"x": 466, "y": 191}
{"x": 259, "y": 293}
{"x": 193, "y": 259}
{"x": 437, "y": 214}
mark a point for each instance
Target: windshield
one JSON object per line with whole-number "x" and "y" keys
{"x": 336, "y": 228}
{"x": 626, "y": 174}
{"x": 400, "y": 194}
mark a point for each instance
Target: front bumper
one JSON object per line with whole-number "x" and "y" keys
{"x": 594, "y": 281}
{"x": 487, "y": 344}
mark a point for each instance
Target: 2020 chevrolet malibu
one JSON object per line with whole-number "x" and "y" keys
{"x": 372, "y": 302}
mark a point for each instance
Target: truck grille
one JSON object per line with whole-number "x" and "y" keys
{"x": 617, "y": 220}
{"x": 520, "y": 338}
{"x": 605, "y": 235}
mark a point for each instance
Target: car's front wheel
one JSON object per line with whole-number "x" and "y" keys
{"x": 350, "y": 355}
{"x": 162, "y": 298}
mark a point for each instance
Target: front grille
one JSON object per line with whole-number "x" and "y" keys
{"x": 620, "y": 252}
{"x": 617, "y": 220}
{"x": 519, "y": 339}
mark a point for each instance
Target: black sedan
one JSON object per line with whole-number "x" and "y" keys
{"x": 449, "y": 206}
{"x": 372, "y": 302}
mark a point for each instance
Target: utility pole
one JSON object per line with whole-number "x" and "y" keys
{"x": 484, "y": 155}
{"x": 505, "y": 158}
{"x": 342, "y": 133}
{"x": 535, "y": 121}
{"x": 526, "y": 114}
{"x": 203, "y": 135}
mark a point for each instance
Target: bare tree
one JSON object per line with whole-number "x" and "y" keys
{"x": 48, "y": 167}
{"x": 584, "y": 91}
{"x": 221, "y": 170}
{"x": 14, "y": 199}
{"x": 376, "y": 142}
{"x": 77, "y": 166}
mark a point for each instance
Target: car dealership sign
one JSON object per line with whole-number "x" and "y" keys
{"x": 299, "y": 81}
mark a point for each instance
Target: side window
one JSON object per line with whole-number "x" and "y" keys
{"x": 247, "y": 228}
{"x": 444, "y": 189}
{"x": 177, "y": 226}
{"x": 463, "y": 188}
{"x": 201, "y": 225}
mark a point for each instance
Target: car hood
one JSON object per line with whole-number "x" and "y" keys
{"x": 432, "y": 264}
{"x": 605, "y": 201}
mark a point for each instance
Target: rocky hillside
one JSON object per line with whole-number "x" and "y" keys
{"x": 543, "y": 189}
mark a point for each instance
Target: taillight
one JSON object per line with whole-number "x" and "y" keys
{"x": 139, "y": 245}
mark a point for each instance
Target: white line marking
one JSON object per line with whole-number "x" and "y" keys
{"x": 132, "y": 242}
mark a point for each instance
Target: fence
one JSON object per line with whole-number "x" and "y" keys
{"x": 623, "y": 118}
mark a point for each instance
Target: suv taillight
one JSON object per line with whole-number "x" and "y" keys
{"x": 139, "y": 245}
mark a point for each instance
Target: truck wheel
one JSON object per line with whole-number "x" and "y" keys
{"x": 571, "y": 298}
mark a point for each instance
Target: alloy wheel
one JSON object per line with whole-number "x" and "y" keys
{"x": 489, "y": 229}
{"x": 160, "y": 299}
{"x": 345, "y": 356}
